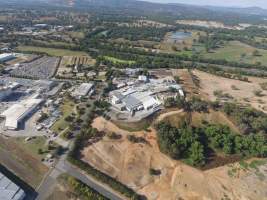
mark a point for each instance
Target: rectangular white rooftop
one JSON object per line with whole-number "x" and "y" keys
{"x": 83, "y": 89}
{"x": 5, "y": 56}
{"x": 17, "y": 112}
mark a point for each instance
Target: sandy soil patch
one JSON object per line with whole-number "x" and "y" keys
{"x": 243, "y": 94}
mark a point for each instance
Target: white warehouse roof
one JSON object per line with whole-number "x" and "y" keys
{"x": 9, "y": 190}
{"x": 83, "y": 89}
{"x": 18, "y": 111}
{"x": 5, "y": 56}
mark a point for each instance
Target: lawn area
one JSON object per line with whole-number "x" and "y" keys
{"x": 21, "y": 160}
{"x": 116, "y": 60}
{"x": 50, "y": 51}
{"x": 33, "y": 145}
{"x": 67, "y": 109}
{"x": 76, "y": 34}
{"x": 237, "y": 51}
{"x": 53, "y": 42}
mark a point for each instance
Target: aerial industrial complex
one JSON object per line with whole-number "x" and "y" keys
{"x": 21, "y": 98}
{"x": 144, "y": 96}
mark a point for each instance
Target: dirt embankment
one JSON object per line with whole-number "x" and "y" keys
{"x": 131, "y": 162}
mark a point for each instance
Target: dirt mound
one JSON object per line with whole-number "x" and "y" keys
{"x": 131, "y": 162}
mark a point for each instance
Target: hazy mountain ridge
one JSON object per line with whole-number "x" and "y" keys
{"x": 142, "y": 8}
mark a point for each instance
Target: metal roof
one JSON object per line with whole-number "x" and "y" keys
{"x": 131, "y": 102}
{"x": 9, "y": 190}
{"x": 83, "y": 89}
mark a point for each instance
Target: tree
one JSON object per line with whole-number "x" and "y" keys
{"x": 197, "y": 157}
{"x": 228, "y": 144}
{"x": 256, "y": 53}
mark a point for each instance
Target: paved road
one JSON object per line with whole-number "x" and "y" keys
{"x": 91, "y": 182}
{"x": 49, "y": 183}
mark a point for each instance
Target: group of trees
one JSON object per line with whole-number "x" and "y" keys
{"x": 192, "y": 144}
{"x": 183, "y": 143}
{"x": 82, "y": 190}
{"x": 138, "y": 33}
{"x": 194, "y": 105}
{"x": 249, "y": 120}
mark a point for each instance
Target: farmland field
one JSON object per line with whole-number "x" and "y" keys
{"x": 50, "y": 51}
{"x": 238, "y": 52}
{"x": 67, "y": 63}
{"x": 116, "y": 60}
{"x": 18, "y": 158}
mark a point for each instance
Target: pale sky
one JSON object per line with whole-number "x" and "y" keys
{"x": 225, "y": 3}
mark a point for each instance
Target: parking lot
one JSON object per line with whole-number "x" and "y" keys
{"x": 42, "y": 68}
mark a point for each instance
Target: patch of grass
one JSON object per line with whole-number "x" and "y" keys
{"x": 50, "y": 51}
{"x": 67, "y": 109}
{"x": 116, "y": 60}
{"x": 256, "y": 163}
{"x": 244, "y": 165}
{"x": 134, "y": 126}
{"x": 238, "y": 52}
{"x": 24, "y": 162}
{"x": 76, "y": 34}
{"x": 33, "y": 145}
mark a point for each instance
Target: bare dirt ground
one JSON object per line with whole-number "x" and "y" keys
{"x": 209, "y": 24}
{"x": 186, "y": 81}
{"x": 244, "y": 92}
{"x": 130, "y": 164}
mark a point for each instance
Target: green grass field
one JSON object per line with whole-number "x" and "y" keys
{"x": 66, "y": 108}
{"x": 33, "y": 145}
{"x": 50, "y": 51}
{"x": 238, "y": 52}
{"x": 76, "y": 34}
{"x": 116, "y": 60}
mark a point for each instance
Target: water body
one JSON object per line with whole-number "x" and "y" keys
{"x": 180, "y": 35}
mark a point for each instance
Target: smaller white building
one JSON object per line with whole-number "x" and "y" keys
{"x": 18, "y": 112}
{"x": 83, "y": 90}
{"x": 143, "y": 78}
{"x": 6, "y": 57}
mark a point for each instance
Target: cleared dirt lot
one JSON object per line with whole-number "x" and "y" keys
{"x": 243, "y": 93}
{"x": 186, "y": 81}
{"x": 130, "y": 163}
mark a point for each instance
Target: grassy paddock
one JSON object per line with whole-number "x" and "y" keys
{"x": 116, "y": 60}
{"x": 50, "y": 51}
{"x": 238, "y": 52}
{"x": 66, "y": 108}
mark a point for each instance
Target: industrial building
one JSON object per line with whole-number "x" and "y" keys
{"x": 145, "y": 94}
{"x": 9, "y": 190}
{"x": 83, "y": 90}
{"x": 7, "y": 89}
{"x": 15, "y": 114}
{"x": 6, "y": 57}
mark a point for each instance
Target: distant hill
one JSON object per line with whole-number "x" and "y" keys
{"x": 248, "y": 10}
{"x": 169, "y": 11}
